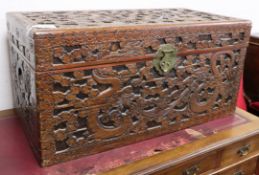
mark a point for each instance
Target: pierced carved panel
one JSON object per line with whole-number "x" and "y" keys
{"x": 95, "y": 47}
{"x": 133, "y": 99}
{"x": 65, "y": 55}
{"x": 66, "y": 19}
{"x": 23, "y": 84}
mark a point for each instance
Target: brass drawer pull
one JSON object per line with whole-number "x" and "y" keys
{"x": 239, "y": 173}
{"x": 243, "y": 151}
{"x": 192, "y": 170}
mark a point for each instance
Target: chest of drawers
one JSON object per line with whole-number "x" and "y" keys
{"x": 231, "y": 151}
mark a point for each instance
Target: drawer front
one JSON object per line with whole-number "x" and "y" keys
{"x": 246, "y": 168}
{"x": 195, "y": 166}
{"x": 239, "y": 151}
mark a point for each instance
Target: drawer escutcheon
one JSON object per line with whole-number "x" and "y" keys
{"x": 239, "y": 173}
{"x": 192, "y": 170}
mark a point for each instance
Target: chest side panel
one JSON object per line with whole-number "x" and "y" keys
{"x": 24, "y": 91}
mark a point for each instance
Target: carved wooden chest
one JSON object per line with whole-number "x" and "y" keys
{"x": 88, "y": 81}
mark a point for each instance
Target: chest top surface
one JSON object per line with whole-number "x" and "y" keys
{"x": 82, "y": 19}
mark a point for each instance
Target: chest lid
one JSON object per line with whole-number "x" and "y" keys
{"x": 69, "y": 39}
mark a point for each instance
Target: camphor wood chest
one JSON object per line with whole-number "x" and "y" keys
{"x": 88, "y": 81}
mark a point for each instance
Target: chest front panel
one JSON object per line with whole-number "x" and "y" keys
{"x": 112, "y": 104}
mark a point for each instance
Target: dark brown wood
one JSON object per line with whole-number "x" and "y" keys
{"x": 251, "y": 80}
{"x": 82, "y": 87}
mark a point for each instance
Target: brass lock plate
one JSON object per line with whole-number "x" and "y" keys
{"x": 165, "y": 58}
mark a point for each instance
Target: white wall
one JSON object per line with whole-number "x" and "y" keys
{"x": 248, "y": 9}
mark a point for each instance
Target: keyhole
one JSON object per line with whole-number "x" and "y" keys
{"x": 19, "y": 71}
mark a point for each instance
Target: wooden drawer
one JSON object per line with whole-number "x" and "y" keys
{"x": 239, "y": 151}
{"x": 194, "y": 166}
{"x": 207, "y": 164}
{"x": 246, "y": 168}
